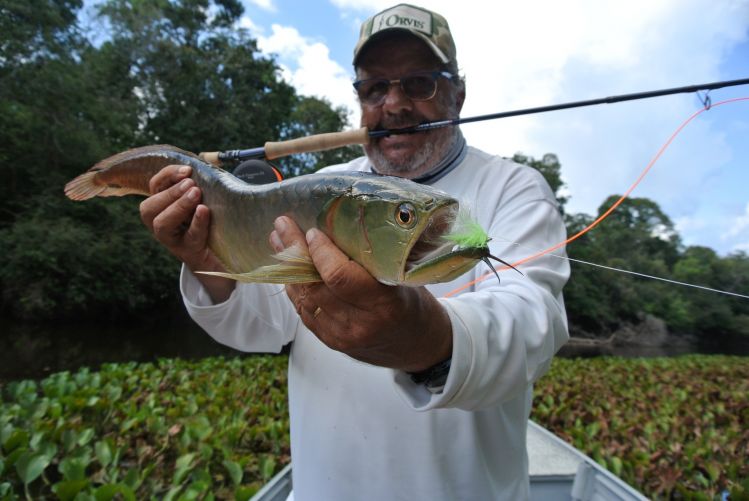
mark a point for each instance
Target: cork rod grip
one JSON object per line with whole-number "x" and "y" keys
{"x": 211, "y": 157}
{"x": 318, "y": 142}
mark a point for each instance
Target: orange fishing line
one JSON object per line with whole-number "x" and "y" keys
{"x": 610, "y": 209}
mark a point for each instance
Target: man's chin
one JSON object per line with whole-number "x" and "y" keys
{"x": 400, "y": 161}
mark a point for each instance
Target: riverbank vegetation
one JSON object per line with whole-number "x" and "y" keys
{"x": 218, "y": 428}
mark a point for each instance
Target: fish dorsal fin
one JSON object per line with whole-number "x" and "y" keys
{"x": 122, "y": 156}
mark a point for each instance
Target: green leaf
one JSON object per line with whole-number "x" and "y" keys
{"x": 183, "y": 466}
{"x": 172, "y": 493}
{"x": 29, "y": 466}
{"x": 713, "y": 471}
{"x": 73, "y": 468}
{"x": 109, "y": 491}
{"x": 36, "y": 438}
{"x": 616, "y": 466}
{"x": 6, "y": 431}
{"x": 69, "y": 439}
{"x": 85, "y": 436}
{"x": 16, "y": 439}
{"x": 11, "y": 459}
{"x": 267, "y": 467}
{"x": 67, "y": 490}
{"x": 200, "y": 428}
{"x": 132, "y": 479}
{"x": 103, "y": 453}
{"x": 47, "y": 449}
{"x": 235, "y": 471}
{"x": 245, "y": 492}
{"x": 194, "y": 490}
{"x": 592, "y": 429}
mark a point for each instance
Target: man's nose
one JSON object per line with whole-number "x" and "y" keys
{"x": 396, "y": 100}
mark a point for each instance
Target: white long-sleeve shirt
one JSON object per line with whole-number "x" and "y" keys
{"x": 364, "y": 432}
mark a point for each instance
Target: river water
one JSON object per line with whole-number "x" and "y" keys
{"x": 35, "y": 351}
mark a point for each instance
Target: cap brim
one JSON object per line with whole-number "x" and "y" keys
{"x": 381, "y": 34}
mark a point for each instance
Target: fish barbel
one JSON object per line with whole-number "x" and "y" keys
{"x": 398, "y": 230}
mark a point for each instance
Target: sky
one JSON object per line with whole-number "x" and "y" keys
{"x": 534, "y": 53}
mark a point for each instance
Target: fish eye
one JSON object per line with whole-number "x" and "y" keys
{"x": 405, "y": 215}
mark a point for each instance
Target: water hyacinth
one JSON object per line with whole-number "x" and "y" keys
{"x": 218, "y": 428}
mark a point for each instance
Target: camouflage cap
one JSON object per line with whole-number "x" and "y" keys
{"x": 429, "y": 26}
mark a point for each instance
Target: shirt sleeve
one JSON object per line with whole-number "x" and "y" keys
{"x": 255, "y": 318}
{"x": 505, "y": 334}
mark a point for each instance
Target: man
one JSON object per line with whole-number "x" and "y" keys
{"x": 396, "y": 392}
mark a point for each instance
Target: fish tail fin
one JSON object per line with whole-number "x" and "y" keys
{"x": 88, "y": 186}
{"x": 126, "y": 173}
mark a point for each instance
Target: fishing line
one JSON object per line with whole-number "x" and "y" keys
{"x": 637, "y": 273}
{"x": 613, "y": 207}
{"x": 686, "y": 284}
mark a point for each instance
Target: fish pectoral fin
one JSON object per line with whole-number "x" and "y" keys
{"x": 296, "y": 267}
{"x": 273, "y": 274}
{"x": 294, "y": 255}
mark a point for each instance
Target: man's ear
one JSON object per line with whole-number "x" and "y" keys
{"x": 460, "y": 99}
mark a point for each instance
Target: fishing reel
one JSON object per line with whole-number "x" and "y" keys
{"x": 257, "y": 172}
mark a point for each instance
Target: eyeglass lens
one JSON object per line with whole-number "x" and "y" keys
{"x": 417, "y": 87}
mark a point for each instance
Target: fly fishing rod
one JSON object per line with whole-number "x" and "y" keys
{"x": 331, "y": 140}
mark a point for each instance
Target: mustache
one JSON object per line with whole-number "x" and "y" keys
{"x": 401, "y": 121}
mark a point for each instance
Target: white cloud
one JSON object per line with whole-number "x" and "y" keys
{"x": 265, "y": 5}
{"x": 247, "y": 23}
{"x": 307, "y": 65}
{"x": 687, "y": 223}
{"x": 739, "y": 226}
{"x": 366, "y": 5}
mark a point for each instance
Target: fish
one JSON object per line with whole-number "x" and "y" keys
{"x": 401, "y": 232}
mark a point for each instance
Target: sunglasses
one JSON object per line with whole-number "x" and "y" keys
{"x": 420, "y": 86}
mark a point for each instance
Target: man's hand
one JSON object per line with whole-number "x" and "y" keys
{"x": 399, "y": 327}
{"x": 177, "y": 219}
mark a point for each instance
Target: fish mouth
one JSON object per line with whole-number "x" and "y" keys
{"x": 434, "y": 258}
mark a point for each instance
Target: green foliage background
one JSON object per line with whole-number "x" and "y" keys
{"x": 167, "y": 73}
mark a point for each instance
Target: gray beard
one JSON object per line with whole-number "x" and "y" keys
{"x": 412, "y": 164}
{"x": 415, "y": 163}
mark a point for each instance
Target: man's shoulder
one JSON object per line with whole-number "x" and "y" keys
{"x": 491, "y": 164}
{"x": 360, "y": 164}
{"x": 503, "y": 175}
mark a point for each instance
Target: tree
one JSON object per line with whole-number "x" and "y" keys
{"x": 173, "y": 71}
{"x": 314, "y": 116}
